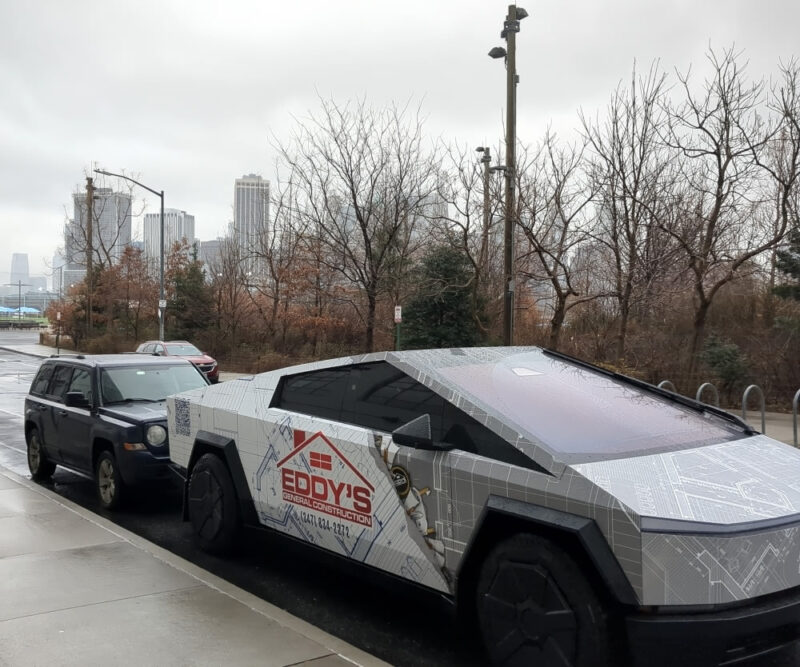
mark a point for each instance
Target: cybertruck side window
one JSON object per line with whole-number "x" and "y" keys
{"x": 318, "y": 393}
{"x": 382, "y": 397}
{"x": 467, "y": 433}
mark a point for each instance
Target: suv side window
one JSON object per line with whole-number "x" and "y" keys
{"x": 42, "y": 379}
{"x": 60, "y": 382}
{"x": 383, "y": 397}
{"x": 82, "y": 382}
{"x": 318, "y": 393}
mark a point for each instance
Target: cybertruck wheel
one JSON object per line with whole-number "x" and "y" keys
{"x": 38, "y": 465}
{"x": 213, "y": 505}
{"x": 535, "y": 607}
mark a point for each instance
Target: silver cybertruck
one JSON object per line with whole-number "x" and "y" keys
{"x": 576, "y": 516}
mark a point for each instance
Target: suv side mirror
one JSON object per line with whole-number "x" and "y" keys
{"x": 417, "y": 433}
{"x": 76, "y": 399}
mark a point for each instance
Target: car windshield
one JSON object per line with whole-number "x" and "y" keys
{"x": 183, "y": 349}
{"x": 147, "y": 382}
{"x": 577, "y": 413}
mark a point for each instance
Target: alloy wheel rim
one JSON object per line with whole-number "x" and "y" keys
{"x": 105, "y": 480}
{"x": 34, "y": 455}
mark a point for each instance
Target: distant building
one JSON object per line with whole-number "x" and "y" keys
{"x": 178, "y": 225}
{"x": 19, "y": 268}
{"x": 38, "y": 283}
{"x": 210, "y": 254}
{"x": 111, "y": 232}
{"x": 250, "y": 216}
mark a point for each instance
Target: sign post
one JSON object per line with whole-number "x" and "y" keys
{"x": 58, "y": 333}
{"x": 398, "y": 318}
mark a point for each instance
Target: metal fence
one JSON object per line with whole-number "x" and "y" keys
{"x": 707, "y": 387}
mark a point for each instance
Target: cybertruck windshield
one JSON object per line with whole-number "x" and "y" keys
{"x": 575, "y": 411}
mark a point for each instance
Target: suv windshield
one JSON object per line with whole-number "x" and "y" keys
{"x": 147, "y": 383}
{"x": 185, "y": 349}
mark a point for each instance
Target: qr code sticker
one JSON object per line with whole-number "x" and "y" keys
{"x": 183, "y": 424}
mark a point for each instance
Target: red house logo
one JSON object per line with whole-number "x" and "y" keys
{"x": 333, "y": 485}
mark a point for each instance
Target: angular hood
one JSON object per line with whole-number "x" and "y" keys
{"x": 755, "y": 479}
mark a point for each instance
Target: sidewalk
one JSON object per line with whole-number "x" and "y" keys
{"x": 76, "y": 589}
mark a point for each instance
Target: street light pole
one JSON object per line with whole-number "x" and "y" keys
{"x": 486, "y": 161}
{"x": 509, "y": 33}
{"x": 89, "y": 253}
{"x": 162, "y": 303}
{"x": 19, "y": 284}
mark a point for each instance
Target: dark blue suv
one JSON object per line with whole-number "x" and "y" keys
{"x": 105, "y": 416}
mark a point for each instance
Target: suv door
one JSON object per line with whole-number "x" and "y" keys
{"x": 40, "y": 409}
{"x": 51, "y": 404}
{"x": 74, "y": 423}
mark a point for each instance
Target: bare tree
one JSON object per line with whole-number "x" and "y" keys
{"x": 728, "y": 214}
{"x": 470, "y": 218}
{"x": 229, "y": 288}
{"x": 554, "y": 217}
{"x": 366, "y": 182}
{"x": 631, "y": 177}
{"x": 277, "y": 254}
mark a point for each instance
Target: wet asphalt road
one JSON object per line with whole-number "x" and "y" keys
{"x": 399, "y": 625}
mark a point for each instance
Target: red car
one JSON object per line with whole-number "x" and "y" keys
{"x": 185, "y": 350}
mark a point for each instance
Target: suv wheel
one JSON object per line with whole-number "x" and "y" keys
{"x": 110, "y": 487}
{"x": 213, "y": 505}
{"x": 39, "y": 466}
{"x": 535, "y": 607}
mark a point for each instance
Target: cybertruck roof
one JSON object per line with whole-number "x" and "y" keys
{"x": 559, "y": 409}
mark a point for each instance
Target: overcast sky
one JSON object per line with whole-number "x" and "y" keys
{"x": 184, "y": 96}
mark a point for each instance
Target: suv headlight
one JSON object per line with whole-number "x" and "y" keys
{"x": 156, "y": 435}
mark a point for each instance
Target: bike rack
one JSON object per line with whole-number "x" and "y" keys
{"x": 663, "y": 385}
{"x": 707, "y": 385}
{"x": 763, "y": 408}
{"x": 794, "y": 415}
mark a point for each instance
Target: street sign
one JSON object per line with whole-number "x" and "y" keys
{"x": 162, "y": 303}
{"x": 58, "y": 315}
{"x": 398, "y": 314}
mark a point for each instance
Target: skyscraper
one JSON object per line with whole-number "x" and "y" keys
{"x": 19, "y": 268}
{"x": 178, "y": 225}
{"x": 251, "y": 216}
{"x": 111, "y": 231}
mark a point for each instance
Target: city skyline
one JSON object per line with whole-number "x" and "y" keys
{"x": 228, "y": 96}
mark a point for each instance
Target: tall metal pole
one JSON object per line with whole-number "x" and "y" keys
{"x": 89, "y": 251}
{"x": 486, "y": 159}
{"x": 161, "y": 300}
{"x": 511, "y": 29}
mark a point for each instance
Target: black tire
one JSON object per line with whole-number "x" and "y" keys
{"x": 536, "y": 607}
{"x": 40, "y": 467}
{"x": 213, "y": 506}
{"x": 108, "y": 481}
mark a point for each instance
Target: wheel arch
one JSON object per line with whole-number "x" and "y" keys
{"x": 100, "y": 444}
{"x": 225, "y": 448}
{"x": 579, "y": 536}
